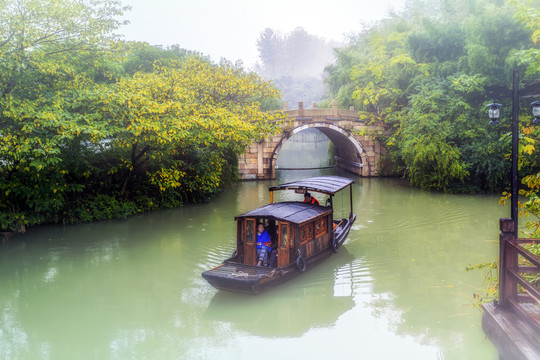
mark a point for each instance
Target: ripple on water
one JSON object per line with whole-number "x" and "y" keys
{"x": 440, "y": 353}
{"x": 209, "y": 257}
{"x": 404, "y": 220}
{"x": 355, "y": 276}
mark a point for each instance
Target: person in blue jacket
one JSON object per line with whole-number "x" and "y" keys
{"x": 264, "y": 245}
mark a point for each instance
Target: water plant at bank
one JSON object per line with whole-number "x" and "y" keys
{"x": 530, "y": 210}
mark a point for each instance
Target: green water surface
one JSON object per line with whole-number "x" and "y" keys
{"x": 132, "y": 289}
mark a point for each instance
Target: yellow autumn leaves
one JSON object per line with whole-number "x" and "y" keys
{"x": 192, "y": 104}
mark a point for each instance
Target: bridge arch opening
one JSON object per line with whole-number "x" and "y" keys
{"x": 307, "y": 149}
{"x": 349, "y": 152}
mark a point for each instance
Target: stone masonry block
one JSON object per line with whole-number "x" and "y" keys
{"x": 250, "y": 167}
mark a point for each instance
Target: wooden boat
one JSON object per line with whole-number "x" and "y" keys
{"x": 302, "y": 235}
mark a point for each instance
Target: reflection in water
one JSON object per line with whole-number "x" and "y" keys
{"x": 132, "y": 289}
{"x": 293, "y": 309}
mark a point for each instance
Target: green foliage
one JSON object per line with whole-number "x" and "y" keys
{"x": 100, "y": 207}
{"x": 40, "y": 38}
{"x": 424, "y": 74}
{"x": 531, "y": 208}
{"x": 491, "y": 281}
{"x": 92, "y": 128}
{"x": 529, "y": 15}
{"x": 436, "y": 41}
{"x": 143, "y": 57}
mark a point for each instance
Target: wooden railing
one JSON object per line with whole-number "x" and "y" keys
{"x": 510, "y": 270}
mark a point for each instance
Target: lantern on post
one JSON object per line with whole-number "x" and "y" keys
{"x": 494, "y": 113}
{"x": 536, "y": 112}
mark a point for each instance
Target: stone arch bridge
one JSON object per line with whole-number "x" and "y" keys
{"x": 359, "y": 154}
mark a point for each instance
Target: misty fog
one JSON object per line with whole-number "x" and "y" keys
{"x": 295, "y": 62}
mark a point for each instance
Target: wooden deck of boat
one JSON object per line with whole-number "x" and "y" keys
{"x": 514, "y": 337}
{"x": 231, "y": 269}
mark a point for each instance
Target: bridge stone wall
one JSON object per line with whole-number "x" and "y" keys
{"x": 357, "y": 153}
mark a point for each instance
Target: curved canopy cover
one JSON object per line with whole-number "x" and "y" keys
{"x": 324, "y": 184}
{"x": 294, "y": 212}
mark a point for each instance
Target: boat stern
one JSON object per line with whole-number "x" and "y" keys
{"x": 241, "y": 278}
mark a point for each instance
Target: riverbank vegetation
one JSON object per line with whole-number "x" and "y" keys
{"x": 428, "y": 74}
{"x": 95, "y": 128}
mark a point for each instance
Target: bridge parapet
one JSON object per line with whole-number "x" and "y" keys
{"x": 356, "y": 150}
{"x": 333, "y": 112}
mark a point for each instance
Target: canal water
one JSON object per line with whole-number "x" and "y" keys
{"x": 132, "y": 289}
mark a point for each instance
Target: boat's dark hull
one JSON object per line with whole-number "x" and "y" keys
{"x": 236, "y": 277}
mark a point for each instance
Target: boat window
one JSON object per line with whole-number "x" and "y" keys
{"x": 284, "y": 234}
{"x": 321, "y": 226}
{"x": 250, "y": 230}
{"x": 306, "y": 233}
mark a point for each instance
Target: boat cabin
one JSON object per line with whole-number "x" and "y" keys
{"x": 295, "y": 228}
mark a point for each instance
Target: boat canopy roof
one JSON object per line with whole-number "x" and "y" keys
{"x": 324, "y": 184}
{"x": 294, "y": 212}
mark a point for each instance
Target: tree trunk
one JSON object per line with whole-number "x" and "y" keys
{"x": 136, "y": 162}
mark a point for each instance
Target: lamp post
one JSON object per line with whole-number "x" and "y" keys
{"x": 515, "y": 145}
{"x": 494, "y": 114}
{"x": 507, "y": 289}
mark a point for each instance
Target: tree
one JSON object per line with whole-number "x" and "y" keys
{"x": 160, "y": 117}
{"x": 39, "y": 38}
{"x": 45, "y": 47}
{"x": 270, "y": 49}
{"x": 295, "y": 61}
{"x": 430, "y": 145}
{"x": 530, "y": 17}
{"x": 86, "y": 133}
{"x": 143, "y": 57}
{"x": 423, "y": 73}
